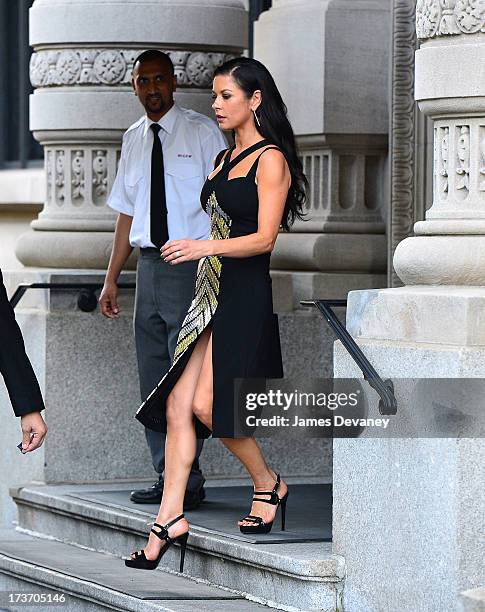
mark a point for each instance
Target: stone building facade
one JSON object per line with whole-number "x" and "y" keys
{"x": 381, "y": 168}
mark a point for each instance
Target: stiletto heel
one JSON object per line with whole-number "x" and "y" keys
{"x": 283, "y": 501}
{"x": 259, "y": 526}
{"x": 183, "y": 545}
{"x": 161, "y": 531}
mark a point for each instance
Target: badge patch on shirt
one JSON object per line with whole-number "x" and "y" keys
{"x": 184, "y": 154}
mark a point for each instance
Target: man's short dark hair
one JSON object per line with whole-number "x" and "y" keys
{"x": 154, "y": 54}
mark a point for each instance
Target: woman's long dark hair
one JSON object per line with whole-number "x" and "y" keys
{"x": 251, "y": 75}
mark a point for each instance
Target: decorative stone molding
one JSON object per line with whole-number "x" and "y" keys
{"x": 78, "y": 183}
{"x": 402, "y": 142}
{"x": 345, "y": 175}
{"x": 108, "y": 67}
{"x": 100, "y": 176}
{"x": 449, "y": 17}
{"x": 459, "y": 169}
{"x": 462, "y": 162}
{"x": 59, "y": 177}
{"x": 98, "y": 160}
{"x": 78, "y": 172}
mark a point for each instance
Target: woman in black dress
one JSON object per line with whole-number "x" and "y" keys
{"x": 230, "y": 330}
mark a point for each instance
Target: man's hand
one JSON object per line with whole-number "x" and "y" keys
{"x": 108, "y": 300}
{"x": 34, "y": 430}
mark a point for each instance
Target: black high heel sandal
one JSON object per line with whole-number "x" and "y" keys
{"x": 259, "y": 525}
{"x": 141, "y": 562}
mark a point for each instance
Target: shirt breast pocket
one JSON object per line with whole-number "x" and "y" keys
{"x": 184, "y": 184}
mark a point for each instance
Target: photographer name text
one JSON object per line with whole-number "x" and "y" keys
{"x": 297, "y": 421}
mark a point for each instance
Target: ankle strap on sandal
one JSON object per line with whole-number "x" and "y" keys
{"x": 274, "y": 498}
{"x": 163, "y": 533}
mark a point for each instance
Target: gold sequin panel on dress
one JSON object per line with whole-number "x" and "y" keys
{"x": 209, "y": 269}
{"x": 204, "y": 303}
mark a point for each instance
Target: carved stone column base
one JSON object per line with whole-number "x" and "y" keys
{"x": 291, "y": 287}
{"x": 329, "y": 265}
{"x": 440, "y": 227}
{"x": 90, "y": 250}
{"x": 330, "y": 252}
{"x": 419, "y": 314}
{"x": 441, "y": 260}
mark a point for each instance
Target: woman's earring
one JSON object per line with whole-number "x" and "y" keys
{"x": 256, "y": 118}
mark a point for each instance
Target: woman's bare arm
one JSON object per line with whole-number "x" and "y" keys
{"x": 273, "y": 179}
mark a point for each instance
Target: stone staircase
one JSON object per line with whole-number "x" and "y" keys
{"x": 76, "y": 538}
{"x": 473, "y": 600}
{"x": 73, "y": 578}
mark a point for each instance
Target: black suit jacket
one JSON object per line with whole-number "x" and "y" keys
{"x": 15, "y": 366}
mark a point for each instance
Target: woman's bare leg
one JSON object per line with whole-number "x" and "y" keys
{"x": 246, "y": 450}
{"x": 180, "y": 447}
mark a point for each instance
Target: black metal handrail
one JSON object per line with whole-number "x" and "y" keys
{"x": 86, "y": 299}
{"x": 385, "y": 388}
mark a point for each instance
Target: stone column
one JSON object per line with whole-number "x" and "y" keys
{"x": 83, "y": 101}
{"x": 332, "y": 71}
{"x": 409, "y": 513}
{"x": 448, "y": 248}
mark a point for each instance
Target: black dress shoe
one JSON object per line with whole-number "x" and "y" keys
{"x": 153, "y": 495}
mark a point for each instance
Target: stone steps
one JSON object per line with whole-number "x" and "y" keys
{"x": 473, "y": 600}
{"x": 301, "y": 576}
{"x": 87, "y": 580}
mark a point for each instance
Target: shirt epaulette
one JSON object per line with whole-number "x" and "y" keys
{"x": 192, "y": 115}
{"x": 137, "y": 123}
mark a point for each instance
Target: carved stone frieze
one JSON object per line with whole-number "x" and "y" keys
{"x": 59, "y": 178}
{"x": 459, "y": 168}
{"x": 481, "y": 170}
{"x": 442, "y": 136}
{"x": 49, "y": 172}
{"x": 61, "y": 67}
{"x": 462, "y": 182}
{"x": 427, "y": 18}
{"x": 77, "y": 177}
{"x": 109, "y": 67}
{"x": 449, "y": 17}
{"x": 100, "y": 176}
{"x": 85, "y": 181}
{"x": 69, "y": 67}
{"x": 344, "y": 180}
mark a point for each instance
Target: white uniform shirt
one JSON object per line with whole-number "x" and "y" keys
{"x": 190, "y": 142}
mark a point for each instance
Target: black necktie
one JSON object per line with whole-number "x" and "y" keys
{"x": 158, "y": 204}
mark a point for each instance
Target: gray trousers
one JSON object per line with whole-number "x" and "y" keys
{"x": 163, "y": 296}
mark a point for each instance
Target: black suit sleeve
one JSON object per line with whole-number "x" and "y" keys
{"x": 15, "y": 366}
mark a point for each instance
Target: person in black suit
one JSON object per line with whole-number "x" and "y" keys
{"x": 22, "y": 385}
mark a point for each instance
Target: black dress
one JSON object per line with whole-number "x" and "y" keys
{"x": 232, "y": 295}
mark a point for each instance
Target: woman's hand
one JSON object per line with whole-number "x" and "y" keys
{"x": 178, "y": 251}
